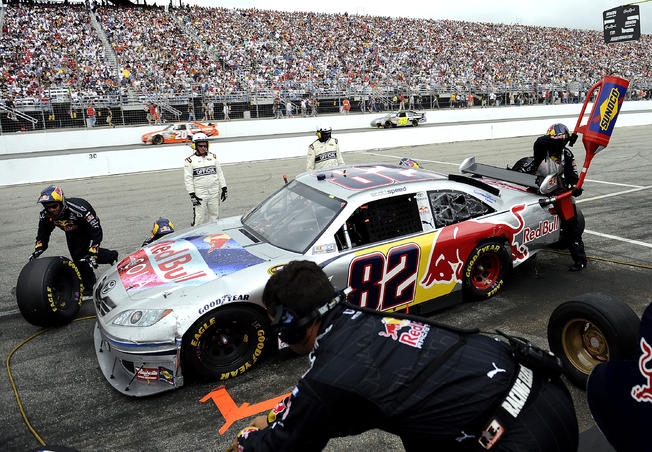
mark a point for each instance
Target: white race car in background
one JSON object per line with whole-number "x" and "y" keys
{"x": 399, "y": 119}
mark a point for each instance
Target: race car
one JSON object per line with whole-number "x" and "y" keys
{"x": 179, "y": 132}
{"x": 399, "y": 119}
{"x": 395, "y": 236}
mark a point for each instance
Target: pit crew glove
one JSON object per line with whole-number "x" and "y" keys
{"x": 576, "y": 191}
{"x": 39, "y": 249}
{"x": 223, "y": 195}
{"x": 196, "y": 200}
{"x": 573, "y": 139}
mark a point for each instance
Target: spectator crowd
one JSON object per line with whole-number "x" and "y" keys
{"x": 223, "y": 51}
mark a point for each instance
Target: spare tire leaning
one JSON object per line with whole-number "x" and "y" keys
{"x": 49, "y": 291}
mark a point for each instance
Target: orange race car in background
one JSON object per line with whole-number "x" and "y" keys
{"x": 179, "y": 132}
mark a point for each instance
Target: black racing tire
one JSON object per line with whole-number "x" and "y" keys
{"x": 485, "y": 270}
{"x": 415, "y": 122}
{"x": 387, "y": 124}
{"x": 226, "y": 342}
{"x": 158, "y": 139}
{"x": 49, "y": 291}
{"x": 518, "y": 166}
{"x": 589, "y": 330}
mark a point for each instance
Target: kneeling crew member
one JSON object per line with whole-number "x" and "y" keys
{"x": 437, "y": 387}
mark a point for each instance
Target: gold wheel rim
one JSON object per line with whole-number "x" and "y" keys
{"x": 585, "y": 345}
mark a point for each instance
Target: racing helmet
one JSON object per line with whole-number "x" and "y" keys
{"x": 324, "y": 133}
{"x": 51, "y": 195}
{"x": 409, "y": 163}
{"x": 198, "y": 138}
{"x": 559, "y": 131}
{"x": 162, "y": 227}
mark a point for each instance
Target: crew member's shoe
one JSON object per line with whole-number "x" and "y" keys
{"x": 577, "y": 266}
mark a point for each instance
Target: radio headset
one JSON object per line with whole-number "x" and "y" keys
{"x": 291, "y": 329}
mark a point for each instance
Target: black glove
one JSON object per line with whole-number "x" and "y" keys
{"x": 573, "y": 139}
{"x": 196, "y": 200}
{"x": 37, "y": 252}
{"x": 223, "y": 196}
{"x": 576, "y": 191}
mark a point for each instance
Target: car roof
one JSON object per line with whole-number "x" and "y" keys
{"x": 351, "y": 181}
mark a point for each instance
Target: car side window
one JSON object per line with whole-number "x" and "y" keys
{"x": 449, "y": 207}
{"x": 380, "y": 220}
{"x": 181, "y": 127}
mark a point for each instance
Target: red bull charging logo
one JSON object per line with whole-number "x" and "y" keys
{"x": 643, "y": 393}
{"x": 453, "y": 245}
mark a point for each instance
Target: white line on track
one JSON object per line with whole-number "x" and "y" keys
{"x": 618, "y": 193}
{"x": 615, "y": 237}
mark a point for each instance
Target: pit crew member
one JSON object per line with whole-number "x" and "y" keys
{"x": 324, "y": 152}
{"x": 161, "y": 227}
{"x": 551, "y": 156}
{"x": 204, "y": 180}
{"x": 435, "y": 386}
{"x": 77, "y": 218}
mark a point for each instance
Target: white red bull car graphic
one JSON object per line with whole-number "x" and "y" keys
{"x": 397, "y": 236}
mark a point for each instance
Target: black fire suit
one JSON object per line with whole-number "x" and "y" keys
{"x": 546, "y": 146}
{"x": 83, "y": 232}
{"x": 436, "y": 389}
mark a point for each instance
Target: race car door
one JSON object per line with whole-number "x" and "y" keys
{"x": 385, "y": 245}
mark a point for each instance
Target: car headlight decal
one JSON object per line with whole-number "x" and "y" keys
{"x": 140, "y": 317}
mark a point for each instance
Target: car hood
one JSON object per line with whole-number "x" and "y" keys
{"x": 194, "y": 258}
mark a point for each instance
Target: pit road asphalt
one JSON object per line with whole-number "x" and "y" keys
{"x": 68, "y": 402}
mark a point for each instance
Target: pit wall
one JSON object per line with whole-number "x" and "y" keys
{"x": 454, "y": 125}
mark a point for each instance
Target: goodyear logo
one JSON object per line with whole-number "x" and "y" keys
{"x": 609, "y": 108}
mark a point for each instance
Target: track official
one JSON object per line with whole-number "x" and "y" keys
{"x": 324, "y": 152}
{"x": 204, "y": 181}
{"x": 436, "y": 387}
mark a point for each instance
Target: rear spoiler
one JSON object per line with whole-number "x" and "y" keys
{"x": 469, "y": 166}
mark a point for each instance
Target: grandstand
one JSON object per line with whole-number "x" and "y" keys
{"x": 60, "y": 61}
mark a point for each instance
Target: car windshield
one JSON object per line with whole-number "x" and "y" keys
{"x": 293, "y": 217}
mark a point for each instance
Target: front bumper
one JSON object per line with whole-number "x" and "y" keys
{"x": 138, "y": 370}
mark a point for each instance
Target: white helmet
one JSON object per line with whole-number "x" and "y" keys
{"x": 324, "y": 132}
{"x": 199, "y": 137}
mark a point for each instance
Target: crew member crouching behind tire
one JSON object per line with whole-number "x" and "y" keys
{"x": 434, "y": 386}
{"x": 204, "y": 180}
{"x": 77, "y": 218}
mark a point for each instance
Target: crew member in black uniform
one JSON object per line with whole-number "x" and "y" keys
{"x": 551, "y": 148}
{"x": 437, "y": 387}
{"x": 77, "y": 218}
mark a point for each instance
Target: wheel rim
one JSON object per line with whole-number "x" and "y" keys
{"x": 225, "y": 344}
{"x": 486, "y": 271}
{"x": 584, "y": 345}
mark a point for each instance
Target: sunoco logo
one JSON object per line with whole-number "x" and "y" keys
{"x": 609, "y": 109}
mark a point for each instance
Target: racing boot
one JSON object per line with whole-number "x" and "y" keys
{"x": 577, "y": 266}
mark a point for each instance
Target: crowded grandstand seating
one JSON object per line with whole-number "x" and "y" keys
{"x": 205, "y": 54}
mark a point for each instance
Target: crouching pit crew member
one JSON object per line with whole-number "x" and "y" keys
{"x": 77, "y": 218}
{"x": 435, "y": 386}
{"x": 161, "y": 227}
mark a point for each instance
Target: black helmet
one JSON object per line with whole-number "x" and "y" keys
{"x": 324, "y": 133}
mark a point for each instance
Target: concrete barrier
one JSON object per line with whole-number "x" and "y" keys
{"x": 503, "y": 123}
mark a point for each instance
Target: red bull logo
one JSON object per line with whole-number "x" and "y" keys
{"x": 545, "y": 227}
{"x": 453, "y": 245}
{"x": 414, "y": 336}
{"x": 216, "y": 241}
{"x": 643, "y": 393}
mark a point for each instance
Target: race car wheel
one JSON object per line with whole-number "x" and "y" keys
{"x": 49, "y": 291}
{"x": 590, "y": 330}
{"x": 226, "y": 342}
{"x": 158, "y": 139}
{"x": 485, "y": 270}
{"x": 388, "y": 124}
{"x": 415, "y": 122}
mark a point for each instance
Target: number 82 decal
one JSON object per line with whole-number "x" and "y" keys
{"x": 382, "y": 283}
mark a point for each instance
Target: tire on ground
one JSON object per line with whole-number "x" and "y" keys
{"x": 485, "y": 270}
{"x": 49, "y": 291}
{"x": 415, "y": 122}
{"x": 158, "y": 139}
{"x": 591, "y": 329}
{"x": 226, "y": 342}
